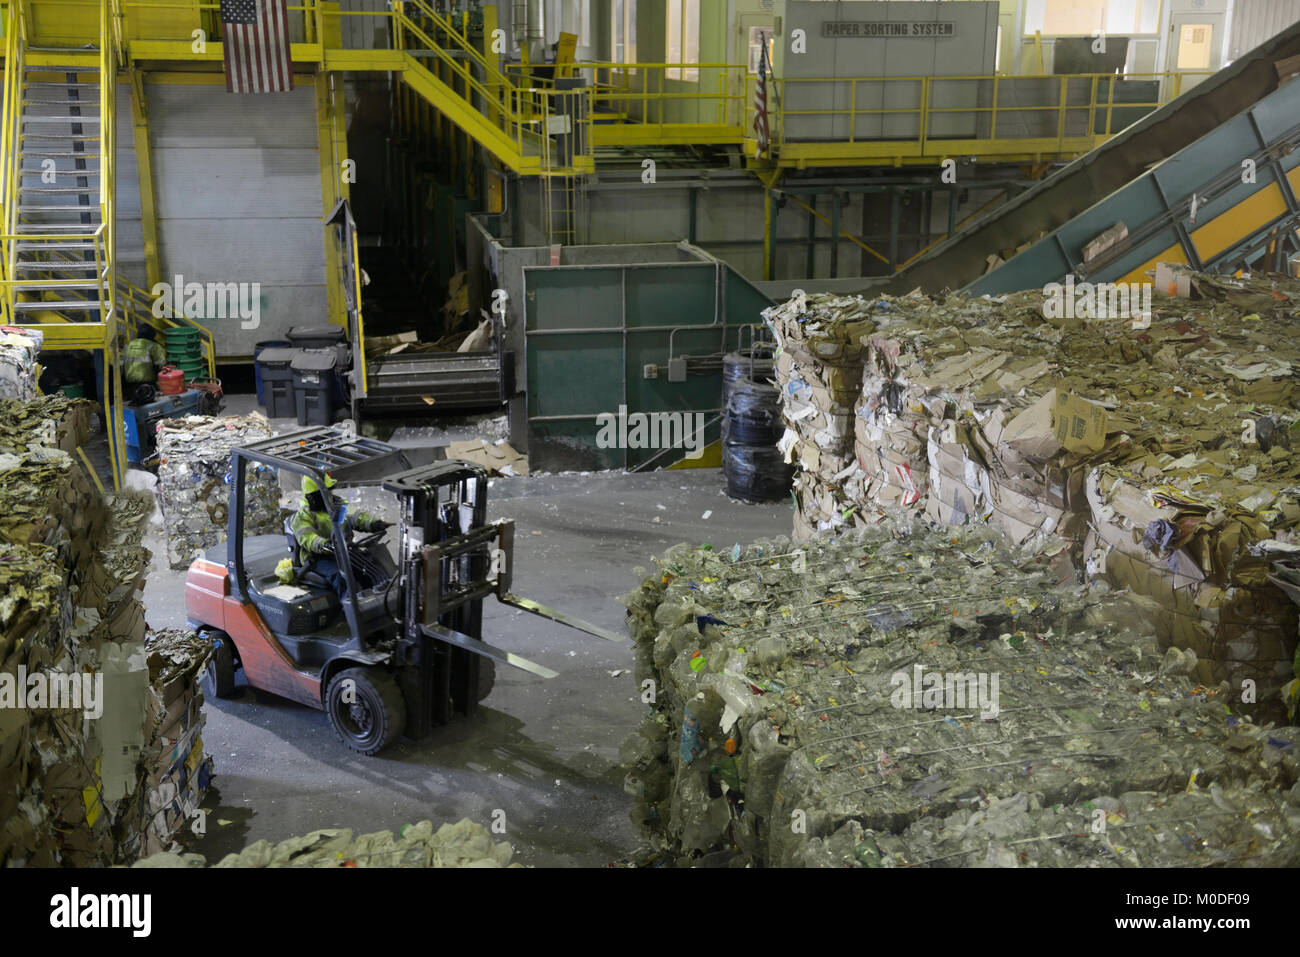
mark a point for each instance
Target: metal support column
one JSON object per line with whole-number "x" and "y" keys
{"x": 810, "y": 266}
{"x": 144, "y": 165}
{"x": 836, "y": 202}
{"x": 895, "y": 212}
{"x": 332, "y": 139}
{"x": 769, "y": 235}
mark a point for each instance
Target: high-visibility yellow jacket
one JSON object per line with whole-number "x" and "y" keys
{"x": 312, "y": 530}
{"x": 141, "y": 360}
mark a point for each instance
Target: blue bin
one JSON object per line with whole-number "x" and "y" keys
{"x": 257, "y": 368}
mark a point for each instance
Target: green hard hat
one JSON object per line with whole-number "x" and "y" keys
{"x": 309, "y": 484}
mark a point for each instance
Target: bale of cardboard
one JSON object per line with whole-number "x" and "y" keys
{"x": 76, "y": 733}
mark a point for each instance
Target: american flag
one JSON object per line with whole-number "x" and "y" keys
{"x": 256, "y": 46}
{"x": 761, "y": 128}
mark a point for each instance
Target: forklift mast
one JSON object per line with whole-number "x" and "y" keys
{"x": 446, "y": 557}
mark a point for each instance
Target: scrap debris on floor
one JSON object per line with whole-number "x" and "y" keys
{"x": 1159, "y": 446}
{"x": 907, "y": 696}
{"x": 102, "y": 760}
{"x": 463, "y": 844}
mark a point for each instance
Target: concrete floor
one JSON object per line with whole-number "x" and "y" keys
{"x": 544, "y": 752}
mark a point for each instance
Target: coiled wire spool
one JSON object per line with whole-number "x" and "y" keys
{"x": 751, "y": 426}
{"x": 753, "y": 415}
{"x": 756, "y": 473}
{"x": 737, "y": 365}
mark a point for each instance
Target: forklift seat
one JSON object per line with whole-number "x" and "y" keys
{"x": 304, "y": 575}
{"x": 302, "y": 608}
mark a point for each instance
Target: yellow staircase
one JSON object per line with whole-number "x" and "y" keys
{"x": 56, "y": 191}
{"x": 60, "y": 272}
{"x": 522, "y": 126}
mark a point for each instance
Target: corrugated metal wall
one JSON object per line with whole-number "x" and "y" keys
{"x": 237, "y": 182}
{"x": 1254, "y": 21}
{"x": 365, "y": 33}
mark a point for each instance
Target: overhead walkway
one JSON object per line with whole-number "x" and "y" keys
{"x": 890, "y": 121}
{"x": 1146, "y": 177}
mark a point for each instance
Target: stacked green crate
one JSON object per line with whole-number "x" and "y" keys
{"x": 185, "y": 351}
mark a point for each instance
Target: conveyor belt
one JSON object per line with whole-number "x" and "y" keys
{"x": 1058, "y": 200}
{"x": 1215, "y": 205}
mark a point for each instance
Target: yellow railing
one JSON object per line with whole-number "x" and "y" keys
{"x": 176, "y": 19}
{"x": 10, "y": 161}
{"x": 108, "y": 64}
{"x": 102, "y": 238}
{"x": 646, "y": 92}
{"x": 523, "y": 114}
{"x": 1074, "y": 105}
{"x": 137, "y": 307}
{"x": 100, "y": 334}
{"x": 1072, "y": 111}
{"x": 429, "y": 18}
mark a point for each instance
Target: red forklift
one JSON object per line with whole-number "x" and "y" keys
{"x": 402, "y": 650}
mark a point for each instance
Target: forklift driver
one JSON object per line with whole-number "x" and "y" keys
{"x": 311, "y": 526}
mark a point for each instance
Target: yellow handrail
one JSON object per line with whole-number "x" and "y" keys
{"x": 10, "y": 176}
{"x": 137, "y": 307}
{"x": 522, "y": 114}
{"x": 1099, "y": 99}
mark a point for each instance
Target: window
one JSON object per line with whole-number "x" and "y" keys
{"x": 623, "y": 31}
{"x": 1065, "y": 18}
{"x": 1194, "y": 51}
{"x": 576, "y": 19}
{"x": 683, "y": 39}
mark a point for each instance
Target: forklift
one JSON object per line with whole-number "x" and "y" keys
{"x": 402, "y": 650}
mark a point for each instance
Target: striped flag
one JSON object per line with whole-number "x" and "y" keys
{"x": 255, "y": 35}
{"x": 761, "y": 128}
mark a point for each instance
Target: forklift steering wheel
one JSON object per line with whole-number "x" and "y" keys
{"x": 371, "y": 538}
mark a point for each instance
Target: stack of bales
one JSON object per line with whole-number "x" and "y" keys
{"x": 819, "y": 369}
{"x": 900, "y": 696}
{"x": 1188, "y": 410}
{"x": 194, "y": 483}
{"x": 76, "y": 735}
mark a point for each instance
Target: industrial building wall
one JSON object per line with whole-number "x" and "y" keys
{"x": 1254, "y": 21}
{"x": 238, "y": 192}
{"x": 365, "y": 32}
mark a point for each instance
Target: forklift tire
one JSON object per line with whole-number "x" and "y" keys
{"x": 375, "y": 714}
{"x": 487, "y": 677}
{"x": 220, "y": 674}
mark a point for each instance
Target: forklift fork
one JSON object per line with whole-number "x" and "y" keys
{"x": 452, "y": 559}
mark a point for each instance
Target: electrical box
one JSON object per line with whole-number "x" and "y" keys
{"x": 677, "y": 369}
{"x": 651, "y": 372}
